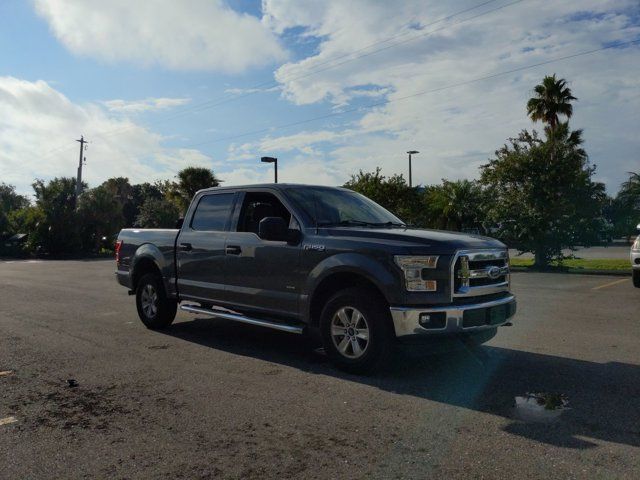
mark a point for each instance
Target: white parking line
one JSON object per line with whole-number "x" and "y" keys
{"x": 610, "y": 284}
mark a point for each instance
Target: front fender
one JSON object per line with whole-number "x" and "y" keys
{"x": 370, "y": 268}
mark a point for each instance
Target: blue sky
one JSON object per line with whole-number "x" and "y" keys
{"x": 142, "y": 81}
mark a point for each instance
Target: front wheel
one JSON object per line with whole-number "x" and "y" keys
{"x": 154, "y": 308}
{"x": 356, "y": 330}
{"x": 636, "y": 278}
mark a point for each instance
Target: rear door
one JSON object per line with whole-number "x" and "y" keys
{"x": 262, "y": 275}
{"x": 200, "y": 248}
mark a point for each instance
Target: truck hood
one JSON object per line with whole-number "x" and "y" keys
{"x": 439, "y": 241}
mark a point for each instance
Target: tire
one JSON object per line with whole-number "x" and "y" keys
{"x": 636, "y": 278}
{"x": 154, "y": 308}
{"x": 356, "y": 329}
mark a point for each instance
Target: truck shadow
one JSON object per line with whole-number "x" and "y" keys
{"x": 604, "y": 397}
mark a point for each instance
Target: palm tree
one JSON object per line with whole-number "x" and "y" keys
{"x": 552, "y": 98}
{"x": 454, "y": 205}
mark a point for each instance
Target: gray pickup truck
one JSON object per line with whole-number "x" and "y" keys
{"x": 301, "y": 258}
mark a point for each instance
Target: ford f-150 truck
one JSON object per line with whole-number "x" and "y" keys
{"x": 301, "y": 258}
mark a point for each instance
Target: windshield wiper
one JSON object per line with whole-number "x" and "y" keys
{"x": 360, "y": 223}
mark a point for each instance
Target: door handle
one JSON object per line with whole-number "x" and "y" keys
{"x": 186, "y": 247}
{"x": 233, "y": 250}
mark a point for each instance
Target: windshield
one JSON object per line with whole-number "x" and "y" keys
{"x": 337, "y": 207}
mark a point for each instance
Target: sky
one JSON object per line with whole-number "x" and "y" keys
{"x": 328, "y": 87}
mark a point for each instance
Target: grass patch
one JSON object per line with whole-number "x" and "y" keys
{"x": 577, "y": 264}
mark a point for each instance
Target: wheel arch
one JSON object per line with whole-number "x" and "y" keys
{"x": 143, "y": 265}
{"x": 335, "y": 282}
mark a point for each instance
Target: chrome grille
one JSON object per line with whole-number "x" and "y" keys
{"x": 480, "y": 272}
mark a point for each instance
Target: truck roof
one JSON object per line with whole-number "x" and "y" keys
{"x": 277, "y": 186}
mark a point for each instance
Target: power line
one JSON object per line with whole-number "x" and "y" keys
{"x": 268, "y": 84}
{"x": 417, "y": 94}
{"x": 257, "y": 88}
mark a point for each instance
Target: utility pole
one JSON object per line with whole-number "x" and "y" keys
{"x": 79, "y": 178}
{"x": 411, "y": 152}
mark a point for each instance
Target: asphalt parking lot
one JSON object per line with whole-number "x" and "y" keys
{"x": 210, "y": 399}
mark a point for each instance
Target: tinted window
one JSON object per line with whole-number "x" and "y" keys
{"x": 257, "y": 206}
{"x": 212, "y": 212}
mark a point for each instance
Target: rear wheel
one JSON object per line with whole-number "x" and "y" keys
{"x": 356, "y": 330}
{"x": 154, "y": 308}
{"x": 636, "y": 278}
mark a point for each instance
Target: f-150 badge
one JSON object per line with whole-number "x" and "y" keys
{"x": 309, "y": 246}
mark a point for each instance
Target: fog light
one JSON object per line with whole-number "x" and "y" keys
{"x": 433, "y": 320}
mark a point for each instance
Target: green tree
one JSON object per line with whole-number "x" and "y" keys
{"x": 392, "y": 193}
{"x": 552, "y": 98}
{"x": 10, "y": 201}
{"x": 140, "y": 193}
{"x": 99, "y": 216}
{"x": 626, "y": 207}
{"x": 190, "y": 180}
{"x": 57, "y": 230}
{"x": 454, "y": 205}
{"x": 544, "y": 202}
{"x": 157, "y": 213}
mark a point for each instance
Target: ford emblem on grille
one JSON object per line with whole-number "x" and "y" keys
{"x": 494, "y": 272}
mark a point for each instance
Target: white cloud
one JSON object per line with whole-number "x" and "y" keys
{"x": 191, "y": 35}
{"x": 38, "y": 125}
{"x": 457, "y": 129}
{"x": 148, "y": 104}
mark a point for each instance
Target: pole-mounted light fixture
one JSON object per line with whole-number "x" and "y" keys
{"x": 411, "y": 152}
{"x": 275, "y": 164}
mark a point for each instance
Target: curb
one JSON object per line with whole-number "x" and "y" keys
{"x": 575, "y": 271}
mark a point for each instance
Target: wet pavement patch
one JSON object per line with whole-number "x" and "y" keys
{"x": 540, "y": 407}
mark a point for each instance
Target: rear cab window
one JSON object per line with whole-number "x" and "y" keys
{"x": 213, "y": 212}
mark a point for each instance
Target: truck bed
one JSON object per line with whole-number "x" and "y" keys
{"x": 156, "y": 243}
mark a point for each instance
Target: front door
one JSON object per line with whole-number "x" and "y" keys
{"x": 200, "y": 249}
{"x": 262, "y": 275}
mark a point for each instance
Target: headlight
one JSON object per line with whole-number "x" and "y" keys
{"x": 412, "y": 267}
{"x": 636, "y": 244}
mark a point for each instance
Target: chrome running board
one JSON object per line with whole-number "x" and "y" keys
{"x": 237, "y": 317}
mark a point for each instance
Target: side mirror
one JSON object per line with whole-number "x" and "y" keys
{"x": 273, "y": 228}
{"x": 179, "y": 223}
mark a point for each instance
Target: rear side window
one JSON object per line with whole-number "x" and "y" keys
{"x": 212, "y": 212}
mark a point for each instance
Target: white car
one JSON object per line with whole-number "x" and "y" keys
{"x": 635, "y": 261}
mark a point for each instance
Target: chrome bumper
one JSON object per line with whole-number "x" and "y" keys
{"x": 406, "y": 320}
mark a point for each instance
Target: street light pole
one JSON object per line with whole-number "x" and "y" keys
{"x": 275, "y": 165}
{"x": 411, "y": 152}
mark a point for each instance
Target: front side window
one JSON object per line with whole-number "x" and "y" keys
{"x": 259, "y": 205}
{"x": 212, "y": 212}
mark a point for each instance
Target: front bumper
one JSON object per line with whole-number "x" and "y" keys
{"x": 451, "y": 319}
{"x": 635, "y": 259}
